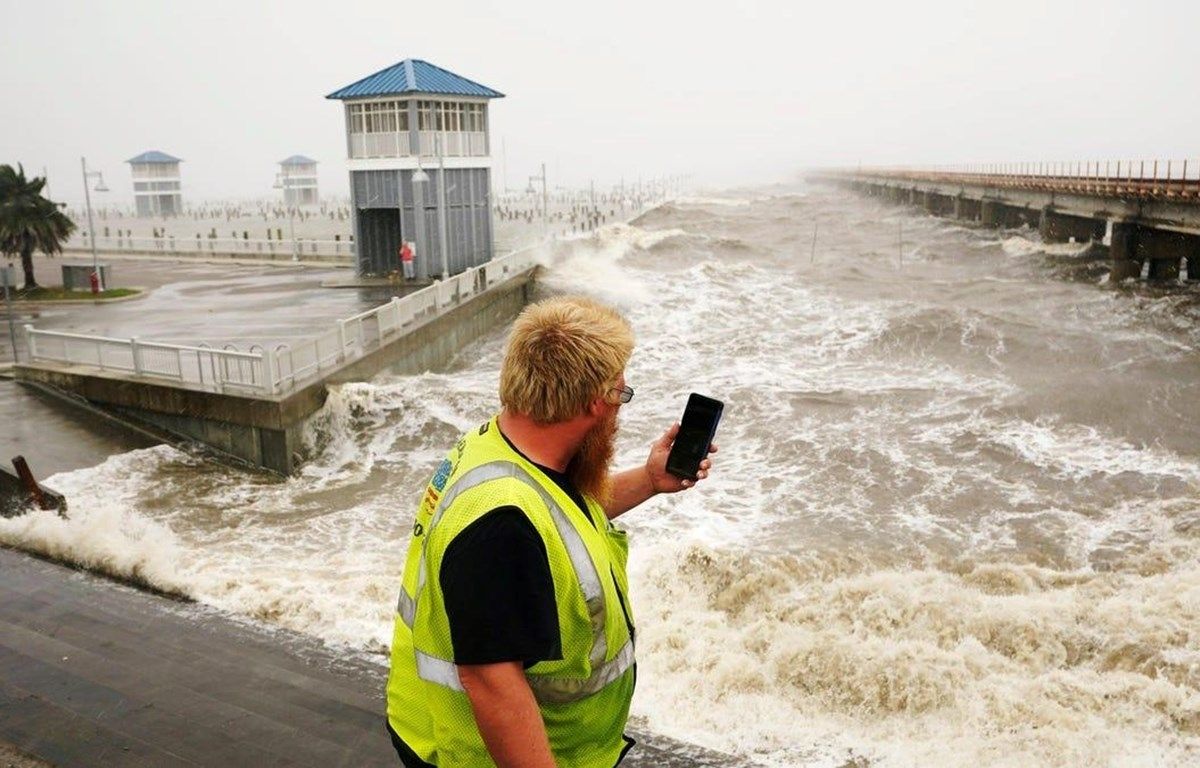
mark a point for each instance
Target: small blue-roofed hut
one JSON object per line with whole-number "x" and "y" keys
{"x": 157, "y": 188}
{"x": 297, "y": 178}
{"x": 419, "y": 156}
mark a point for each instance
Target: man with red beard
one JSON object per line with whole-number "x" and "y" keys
{"x": 514, "y": 635}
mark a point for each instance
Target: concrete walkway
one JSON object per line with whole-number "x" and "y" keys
{"x": 97, "y": 673}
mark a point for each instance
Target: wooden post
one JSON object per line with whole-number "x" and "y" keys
{"x": 31, "y": 486}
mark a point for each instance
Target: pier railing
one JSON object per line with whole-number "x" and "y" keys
{"x": 284, "y": 368}
{"x": 232, "y": 247}
{"x": 1155, "y": 178}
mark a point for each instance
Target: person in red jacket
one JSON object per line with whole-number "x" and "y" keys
{"x": 406, "y": 259}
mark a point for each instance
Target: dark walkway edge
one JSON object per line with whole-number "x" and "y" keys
{"x": 93, "y": 672}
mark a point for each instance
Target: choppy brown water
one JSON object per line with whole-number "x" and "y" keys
{"x": 956, "y": 517}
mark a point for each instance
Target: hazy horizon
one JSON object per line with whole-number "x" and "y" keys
{"x": 736, "y": 95}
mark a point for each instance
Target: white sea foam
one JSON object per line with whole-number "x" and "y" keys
{"x": 728, "y": 202}
{"x": 994, "y": 664}
{"x": 103, "y": 532}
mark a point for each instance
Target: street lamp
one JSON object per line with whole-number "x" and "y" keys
{"x": 420, "y": 177}
{"x": 97, "y": 285}
{"x": 281, "y": 182}
{"x": 545, "y": 206}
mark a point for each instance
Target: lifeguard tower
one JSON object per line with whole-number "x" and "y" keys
{"x": 157, "y": 189}
{"x": 420, "y": 168}
{"x": 297, "y": 178}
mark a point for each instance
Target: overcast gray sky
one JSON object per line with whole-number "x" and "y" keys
{"x": 728, "y": 92}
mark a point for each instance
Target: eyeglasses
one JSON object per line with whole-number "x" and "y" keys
{"x": 626, "y": 392}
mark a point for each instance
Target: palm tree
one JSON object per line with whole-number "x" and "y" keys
{"x": 28, "y": 221}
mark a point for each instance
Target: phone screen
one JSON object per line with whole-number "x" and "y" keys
{"x": 696, "y": 431}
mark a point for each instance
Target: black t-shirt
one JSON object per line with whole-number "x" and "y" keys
{"x": 498, "y": 590}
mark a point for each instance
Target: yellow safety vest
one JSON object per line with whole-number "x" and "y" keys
{"x": 584, "y": 697}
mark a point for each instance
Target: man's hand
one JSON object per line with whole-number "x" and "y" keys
{"x": 633, "y": 486}
{"x": 663, "y": 481}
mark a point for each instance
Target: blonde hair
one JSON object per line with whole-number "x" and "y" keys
{"x": 562, "y": 353}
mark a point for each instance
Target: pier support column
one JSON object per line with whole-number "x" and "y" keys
{"x": 939, "y": 205}
{"x": 1164, "y": 269}
{"x": 1166, "y": 250}
{"x": 989, "y": 213}
{"x": 1134, "y": 244}
{"x": 1126, "y": 261}
{"x": 1056, "y": 227}
{"x": 965, "y": 208}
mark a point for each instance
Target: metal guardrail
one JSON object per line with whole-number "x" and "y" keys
{"x": 1157, "y": 179}
{"x": 286, "y": 367}
{"x": 208, "y": 368}
{"x": 223, "y": 246}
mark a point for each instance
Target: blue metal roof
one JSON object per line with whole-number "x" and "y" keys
{"x": 414, "y": 76}
{"x": 298, "y": 160}
{"x": 154, "y": 156}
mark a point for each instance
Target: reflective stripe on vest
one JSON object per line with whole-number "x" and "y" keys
{"x": 546, "y": 689}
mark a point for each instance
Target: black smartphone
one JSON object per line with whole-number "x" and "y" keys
{"x": 696, "y": 431}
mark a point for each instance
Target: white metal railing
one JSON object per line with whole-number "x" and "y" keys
{"x": 156, "y": 171}
{"x": 286, "y": 367}
{"x": 222, "y": 246}
{"x": 397, "y": 144}
{"x": 454, "y": 143}
{"x": 201, "y": 366}
{"x": 390, "y": 144}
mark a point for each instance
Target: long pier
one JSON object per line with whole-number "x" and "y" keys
{"x": 1147, "y": 211}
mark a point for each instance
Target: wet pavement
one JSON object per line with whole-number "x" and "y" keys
{"x": 185, "y": 303}
{"x": 193, "y": 303}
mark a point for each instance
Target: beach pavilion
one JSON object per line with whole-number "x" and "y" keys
{"x": 157, "y": 189}
{"x": 419, "y": 157}
{"x": 297, "y": 178}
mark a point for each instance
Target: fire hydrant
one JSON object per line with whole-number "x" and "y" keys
{"x": 94, "y": 279}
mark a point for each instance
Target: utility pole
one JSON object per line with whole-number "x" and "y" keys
{"x": 545, "y": 203}
{"x": 287, "y": 182}
{"x": 292, "y": 232}
{"x": 545, "y": 207}
{"x": 7, "y": 273}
